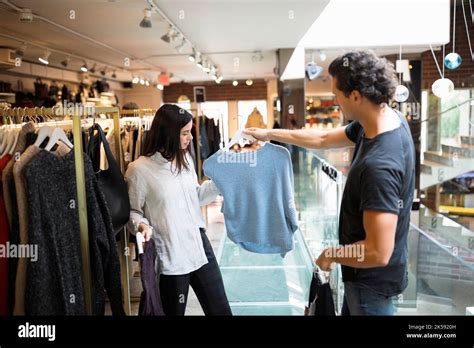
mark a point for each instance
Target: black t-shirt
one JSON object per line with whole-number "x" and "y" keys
{"x": 381, "y": 178}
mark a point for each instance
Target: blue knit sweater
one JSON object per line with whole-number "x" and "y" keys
{"x": 259, "y": 207}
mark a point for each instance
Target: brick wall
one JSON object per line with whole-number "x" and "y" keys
{"x": 464, "y": 75}
{"x": 224, "y": 91}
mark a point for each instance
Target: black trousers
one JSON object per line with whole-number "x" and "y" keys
{"x": 206, "y": 282}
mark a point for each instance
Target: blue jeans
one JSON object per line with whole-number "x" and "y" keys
{"x": 360, "y": 300}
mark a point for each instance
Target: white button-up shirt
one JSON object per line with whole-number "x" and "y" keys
{"x": 170, "y": 203}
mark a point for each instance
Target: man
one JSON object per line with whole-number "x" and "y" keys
{"x": 376, "y": 204}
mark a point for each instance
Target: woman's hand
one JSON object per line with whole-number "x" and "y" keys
{"x": 258, "y": 133}
{"x": 146, "y": 230}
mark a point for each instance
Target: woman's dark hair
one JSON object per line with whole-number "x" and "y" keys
{"x": 363, "y": 71}
{"x": 164, "y": 135}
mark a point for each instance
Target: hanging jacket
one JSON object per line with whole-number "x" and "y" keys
{"x": 4, "y": 238}
{"x": 55, "y": 281}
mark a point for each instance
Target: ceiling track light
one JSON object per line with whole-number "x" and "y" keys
{"x": 213, "y": 72}
{"x": 20, "y": 52}
{"x": 103, "y": 71}
{"x": 147, "y": 83}
{"x": 92, "y": 70}
{"x": 45, "y": 57}
{"x": 181, "y": 45}
{"x": 146, "y": 21}
{"x": 219, "y": 79}
{"x": 235, "y": 83}
{"x": 206, "y": 67}
{"x": 160, "y": 86}
{"x": 199, "y": 63}
{"x": 136, "y": 79}
{"x": 84, "y": 67}
{"x": 65, "y": 62}
{"x": 170, "y": 35}
{"x": 142, "y": 81}
{"x": 249, "y": 82}
{"x": 114, "y": 75}
{"x": 194, "y": 56}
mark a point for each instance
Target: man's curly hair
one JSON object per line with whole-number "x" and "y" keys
{"x": 363, "y": 71}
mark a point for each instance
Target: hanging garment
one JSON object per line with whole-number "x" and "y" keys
{"x": 213, "y": 135}
{"x": 255, "y": 120}
{"x": 54, "y": 281}
{"x": 7, "y": 174}
{"x": 150, "y": 299}
{"x": 4, "y": 238}
{"x": 11, "y": 205}
{"x": 21, "y": 198}
{"x": 20, "y": 186}
{"x": 259, "y": 208}
{"x": 204, "y": 142}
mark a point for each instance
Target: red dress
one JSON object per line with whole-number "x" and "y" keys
{"x": 4, "y": 237}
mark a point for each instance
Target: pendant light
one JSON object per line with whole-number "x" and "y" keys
{"x": 453, "y": 60}
{"x": 443, "y": 87}
{"x": 401, "y": 92}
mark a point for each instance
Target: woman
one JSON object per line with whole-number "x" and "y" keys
{"x": 165, "y": 199}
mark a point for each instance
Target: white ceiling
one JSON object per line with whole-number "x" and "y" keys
{"x": 380, "y": 23}
{"x": 221, "y": 29}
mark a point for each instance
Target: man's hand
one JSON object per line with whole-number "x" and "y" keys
{"x": 146, "y": 231}
{"x": 324, "y": 262}
{"x": 258, "y": 133}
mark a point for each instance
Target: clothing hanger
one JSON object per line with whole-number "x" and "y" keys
{"x": 57, "y": 135}
{"x": 236, "y": 138}
{"x": 43, "y": 133}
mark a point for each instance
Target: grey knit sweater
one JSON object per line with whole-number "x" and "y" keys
{"x": 54, "y": 281}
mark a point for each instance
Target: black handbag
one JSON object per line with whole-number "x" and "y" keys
{"x": 111, "y": 180}
{"x": 320, "y": 301}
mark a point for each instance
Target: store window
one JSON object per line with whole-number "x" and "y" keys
{"x": 246, "y": 107}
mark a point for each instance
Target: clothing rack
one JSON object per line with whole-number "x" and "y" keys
{"x": 15, "y": 116}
